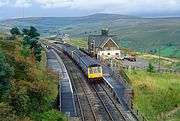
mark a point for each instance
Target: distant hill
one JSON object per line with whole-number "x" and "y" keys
{"x": 140, "y": 34}
{"x": 63, "y": 21}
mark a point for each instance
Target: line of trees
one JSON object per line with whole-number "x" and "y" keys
{"x": 30, "y": 41}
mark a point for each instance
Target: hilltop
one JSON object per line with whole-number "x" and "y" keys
{"x": 139, "y": 34}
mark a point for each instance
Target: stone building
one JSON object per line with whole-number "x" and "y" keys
{"x": 62, "y": 38}
{"x": 103, "y": 45}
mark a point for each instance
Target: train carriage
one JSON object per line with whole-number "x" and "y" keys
{"x": 91, "y": 68}
{"x": 69, "y": 49}
{"x": 77, "y": 55}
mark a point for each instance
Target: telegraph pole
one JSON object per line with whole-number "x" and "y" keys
{"x": 159, "y": 58}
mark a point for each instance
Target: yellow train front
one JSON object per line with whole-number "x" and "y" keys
{"x": 95, "y": 72}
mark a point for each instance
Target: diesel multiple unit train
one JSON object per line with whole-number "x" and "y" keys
{"x": 91, "y": 68}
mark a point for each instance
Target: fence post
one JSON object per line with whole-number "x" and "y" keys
{"x": 137, "y": 112}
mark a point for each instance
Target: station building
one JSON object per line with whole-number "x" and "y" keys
{"x": 62, "y": 38}
{"x": 104, "y": 45}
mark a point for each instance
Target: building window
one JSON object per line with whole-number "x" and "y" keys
{"x": 117, "y": 53}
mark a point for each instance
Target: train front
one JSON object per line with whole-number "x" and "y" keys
{"x": 95, "y": 73}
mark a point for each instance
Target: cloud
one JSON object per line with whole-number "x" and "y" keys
{"x": 54, "y": 3}
{"x": 4, "y": 2}
{"x": 22, "y": 3}
{"x": 15, "y": 3}
{"x": 131, "y": 7}
{"x": 124, "y": 6}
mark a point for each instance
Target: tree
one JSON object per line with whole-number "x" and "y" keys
{"x": 7, "y": 114}
{"x": 19, "y": 100}
{"x": 15, "y": 31}
{"x": 6, "y": 72}
{"x": 32, "y": 32}
{"x": 31, "y": 41}
{"x": 38, "y": 49}
{"x": 150, "y": 68}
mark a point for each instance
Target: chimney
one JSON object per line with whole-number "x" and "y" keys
{"x": 105, "y": 31}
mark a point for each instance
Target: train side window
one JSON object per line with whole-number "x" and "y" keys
{"x": 99, "y": 69}
{"x": 95, "y": 70}
{"x": 90, "y": 70}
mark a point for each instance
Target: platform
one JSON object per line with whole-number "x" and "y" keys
{"x": 67, "y": 103}
{"x": 118, "y": 89}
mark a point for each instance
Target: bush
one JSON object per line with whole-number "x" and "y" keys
{"x": 6, "y": 72}
{"x": 150, "y": 68}
{"x": 51, "y": 115}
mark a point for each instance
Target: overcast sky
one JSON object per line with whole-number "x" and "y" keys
{"x": 61, "y": 8}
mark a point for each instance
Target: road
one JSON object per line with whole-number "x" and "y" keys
{"x": 140, "y": 63}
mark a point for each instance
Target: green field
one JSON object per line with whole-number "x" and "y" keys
{"x": 169, "y": 51}
{"x": 155, "y": 93}
{"x": 78, "y": 42}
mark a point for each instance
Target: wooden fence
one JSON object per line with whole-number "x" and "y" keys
{"x": 161, "y": 70}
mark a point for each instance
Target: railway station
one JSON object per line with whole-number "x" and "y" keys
{"x": 80, "y": 86}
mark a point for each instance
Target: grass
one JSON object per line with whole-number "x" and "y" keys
{"x": 168, "y": 51}
{"x": 175, "y": 116}
{"x": 4, "y": 35}
{"x": 78, "y": 42}
{"x": 155, "y": 93}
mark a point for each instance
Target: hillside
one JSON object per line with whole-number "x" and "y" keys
{"x": 26, "y": 92}
{"x": 140, "y": 34}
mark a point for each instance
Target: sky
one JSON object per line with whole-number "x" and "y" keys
{"x": 70, "y": 8}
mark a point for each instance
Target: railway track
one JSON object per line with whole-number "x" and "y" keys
{"x": 85, "y": 106}
{"x": 86, "y": 110}
{"x": 111, "y": 106}
{"x": 107, "y": 109}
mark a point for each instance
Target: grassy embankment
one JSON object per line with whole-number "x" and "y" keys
{"x": 41, "y": 90}
{"x": 156, "y": 93}
{"x": 78, "y": 42}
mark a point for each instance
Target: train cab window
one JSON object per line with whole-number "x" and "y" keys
{"x": 99, "y": 69}
{"x": 90, "y": 71}
{"x": 95, "y": 70}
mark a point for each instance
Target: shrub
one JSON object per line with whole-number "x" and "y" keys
{"x": 150, "y": 68}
